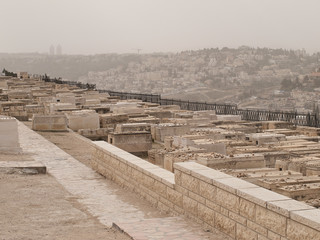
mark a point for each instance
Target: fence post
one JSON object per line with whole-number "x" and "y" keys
{"x": 308, "y": 119}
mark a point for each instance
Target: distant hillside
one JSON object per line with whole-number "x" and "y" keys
{"x": 244, "y": 75}
{"x": 70, "y": 67}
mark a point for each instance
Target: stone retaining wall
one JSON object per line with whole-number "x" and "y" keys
{"x": 238, "y": 208}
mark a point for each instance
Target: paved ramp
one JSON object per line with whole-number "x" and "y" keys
{"x": 106, "y": 200}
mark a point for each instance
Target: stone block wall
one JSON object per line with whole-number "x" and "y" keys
{"x": 235, "y": 207}
{"x": 150, "y": 181}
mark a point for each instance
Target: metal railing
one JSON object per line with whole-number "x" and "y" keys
{"x": 301, "y": 119}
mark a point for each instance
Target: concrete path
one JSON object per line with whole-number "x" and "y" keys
{"x": 104, "y": 199}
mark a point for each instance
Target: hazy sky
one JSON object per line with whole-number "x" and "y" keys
{"x": 104, "y": 26}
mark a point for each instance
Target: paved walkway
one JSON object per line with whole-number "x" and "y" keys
{"x": 104, "y": 199}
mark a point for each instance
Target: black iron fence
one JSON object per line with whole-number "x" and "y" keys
{"x": 301, "y": 119}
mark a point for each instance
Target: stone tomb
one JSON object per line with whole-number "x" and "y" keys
{"x": 111, "y": 120}
{"x": 237, "y": 161}
{"x": 233, "y": 118}
{"x": 138, "y": 142}
{"x": 132, "y": 127}
{"x": 9, "y": 141}
{"x": 14, "y": 109}
{"x": 160, "y": 131}
{"x": 265, "y": 138}
{"x": 274, "y": 183}
{"x": 301, "y": 192}
{"x": 55, "y": 123}
{"x": 84, "y": 119}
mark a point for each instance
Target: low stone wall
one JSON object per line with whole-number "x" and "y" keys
{"x": 238, "y": 208}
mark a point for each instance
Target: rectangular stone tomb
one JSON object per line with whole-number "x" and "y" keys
{"x": 54, "y": 123}
{"x": 9, "y": 141}
{"x": 301, "y": 192}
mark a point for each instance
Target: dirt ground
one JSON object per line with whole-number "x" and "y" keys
{"x": 38, "y": 207}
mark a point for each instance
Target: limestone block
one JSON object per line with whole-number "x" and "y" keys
{"x": 174, "y": 196}
{"x": 310, "y": 217}
{"x": 147, "y": 181}
{"x": 182, "y": 190}
{"x": 187, "y": 167}
{"x": 206, "y": 174}
{"x": 178, "y": 210}
{"x": 166, "y": 202}
{"x": 237, "y": 218}
{"x": 190, "y": 205}
{"x": 260, "y": 237}
{"x": 225, "y": 225}
{"x": 213, "y": 206}
{"x": 232, "y": 184}
{"x": 257, "y": 228}
{"x": 298, "y": 231}
{"x": 271, "y": 220}
{"x": 273, "y": 236}
{"x": 168, "y": 163}
{"x": 285, "y": 207}
{"x": 163, "y": 208}
{"x": 197, "y": 197}
{"x": 207, "y": 190}
{"x": 190, "y": 182}
{"x": 206, "y": 214}
{"x": 163, "y": 176}
{"x": 160, "y": 188}
{"x": 260, "y": 195}
{"x": 224, "y": 211}
{"x": 227, "y": 200}
{"x": 247, "y": 209}
{"x": 243, "y": 233}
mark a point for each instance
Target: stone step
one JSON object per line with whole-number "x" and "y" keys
{"x": 24, "y": 167}
{"x": 169, "y": 228}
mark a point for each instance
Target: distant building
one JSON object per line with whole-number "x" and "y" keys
{"x": 51, "y": 50}
{"x": 59, "y": 50}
